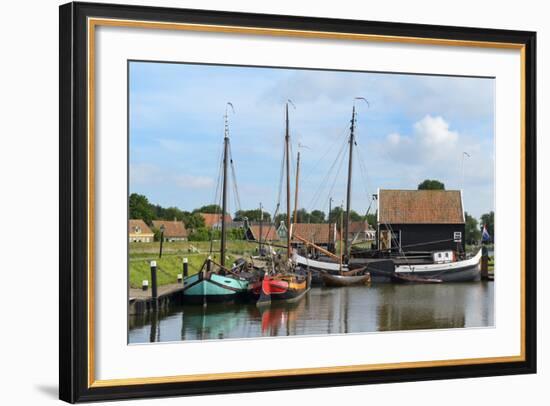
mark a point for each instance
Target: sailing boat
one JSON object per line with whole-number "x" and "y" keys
{"x": 284, "y": 285}
{"x": 381, "y": 267}
{"x": 347, "y": 278}
{"x": 215, "y": 282}
{"x": 331, "y": 273}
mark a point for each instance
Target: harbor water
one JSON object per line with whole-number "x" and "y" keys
{"x": 357, "y": 309}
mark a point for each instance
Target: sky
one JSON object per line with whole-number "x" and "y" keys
{"x": 414, "y": 127}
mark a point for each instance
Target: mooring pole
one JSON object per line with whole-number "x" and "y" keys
{"x": 161, "y": 239}
{"x": 154, "y": 291}
{"x": 185, "y": 270}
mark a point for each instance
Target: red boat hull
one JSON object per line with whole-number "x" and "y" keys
{"x": 281, "y": 288}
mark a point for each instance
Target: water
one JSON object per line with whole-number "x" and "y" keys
{"x": 379, "y": 307}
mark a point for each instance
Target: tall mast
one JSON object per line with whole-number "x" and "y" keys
{"x": 261, "y": 224}
{"x": 287, "y": 155}
{"x": 329, "y": 228}
{"x": 348, "y": 196}
{"x": 224, "y": 187}
{"x": 296, "y": 191}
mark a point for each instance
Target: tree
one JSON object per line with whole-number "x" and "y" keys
{"x": 193, "y": 221}
{"x": 252, "y": 215}
{"x": 371, "y": 219}
{"x": 488, "y": 219}
{"x": 334, "y": 215}
{"x": 317, "y": 216}
{"x": 200, "y": 234}
{"x": 431, "y": 184}
{"x": 209, "y": 208}
{"x": 302, "y": 216}
{"x": 280, "y": 217}
{"x": 172, "y": 213}
{"x": 140, "y": 208}
{"x": 472, "y": 233}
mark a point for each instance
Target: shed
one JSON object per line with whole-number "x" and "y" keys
{"x": 420, "y": 220}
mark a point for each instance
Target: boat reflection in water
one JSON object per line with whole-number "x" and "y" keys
{"x": 354, "y": 309}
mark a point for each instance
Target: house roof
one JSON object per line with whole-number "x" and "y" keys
{"x": 138, "y": 226}
{"x": 420, "y": 207}
{"x": 359, "y": 227}
{"x": 317, "y": 233}
{"x": 172, "y": 229}
{"x": 269, "y": 232}
{"x": 211, "y": 219}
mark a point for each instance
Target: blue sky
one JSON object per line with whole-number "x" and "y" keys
{"x": 415, "y": 127}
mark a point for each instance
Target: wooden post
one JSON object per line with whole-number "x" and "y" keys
{"x": 161, "y": 239}
{"x": 484, "y": 263}
{"x": 185, "y": 268}
{"x": 154, "y": 291}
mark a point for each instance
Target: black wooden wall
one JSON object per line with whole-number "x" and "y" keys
{"x": 426, "y": 237}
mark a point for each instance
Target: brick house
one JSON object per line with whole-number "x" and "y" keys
{"x": 138, "y": 231}
{"x": 173, "y": 230}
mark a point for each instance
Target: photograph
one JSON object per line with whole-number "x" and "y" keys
{"x": 278, "y": 202}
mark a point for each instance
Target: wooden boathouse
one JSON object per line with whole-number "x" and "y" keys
{"x": 420, "y": 220}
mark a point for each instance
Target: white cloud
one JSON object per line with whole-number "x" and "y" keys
{"x": 431, "y": 139}
{"x": 434, "y": 132}
{"x": 193, "y": 182}
{"x": 433, "y": 149}
{"x": 152, "y": 175}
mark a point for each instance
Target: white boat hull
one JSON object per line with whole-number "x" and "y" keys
{"x": 460, "y": 271}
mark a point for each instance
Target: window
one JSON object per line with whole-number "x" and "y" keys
{"x": 457, "y": 236}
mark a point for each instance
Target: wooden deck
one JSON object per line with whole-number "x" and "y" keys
{"x": 141, "y": 302}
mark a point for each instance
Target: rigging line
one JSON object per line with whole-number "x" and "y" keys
{"x": 365, "y": 182}
{"x": 398, "y": 243}
{"x": 234, "y": 178}
{"x": 309, "y": 172}
{"x": 364, "y": 168}
{"x": 337, "y": 173}
{"x": 341, "y": 159}
{"x": 217, "y": 203}
{"x": 220, "y": 170}
{"x": 326, "y": 178}
{"x": 280, "y": 191}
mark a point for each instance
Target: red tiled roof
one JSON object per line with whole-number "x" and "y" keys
{"x": 358, "y": 226}
{"x": 269, "y": 232}
{"x": 317, "y": 233}
{"x": 210, "y": 219}
{"x": 138, "y": 226}
{"x": 420, "y": 207}
{"x": 172, "y": 229}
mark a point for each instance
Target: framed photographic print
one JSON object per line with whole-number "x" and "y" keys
{"x": 257, "y": 202}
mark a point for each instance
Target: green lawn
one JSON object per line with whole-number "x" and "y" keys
{"x": 171, "y": 263}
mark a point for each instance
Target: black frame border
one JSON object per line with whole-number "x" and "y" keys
{"x": 73, "y": 197}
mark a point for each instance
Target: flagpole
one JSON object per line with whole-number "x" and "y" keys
{"x": 464, "y": 154}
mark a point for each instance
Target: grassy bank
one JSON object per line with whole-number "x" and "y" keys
{"x": 171, "y": 263}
